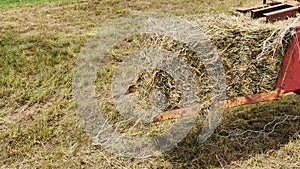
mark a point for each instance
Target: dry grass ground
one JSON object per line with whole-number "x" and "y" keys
{"x": 39, "y": 45}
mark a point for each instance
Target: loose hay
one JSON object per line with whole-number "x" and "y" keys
{"x": 238, "y": 40}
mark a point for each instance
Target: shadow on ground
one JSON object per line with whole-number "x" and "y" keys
{"x": 224, "y": 146}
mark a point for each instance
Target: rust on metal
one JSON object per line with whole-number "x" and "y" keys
{"x": 238, "y": 101}
{"x": 261, "y": 97}
{"x": 273, "y": 11}
{"x": 260, "y": 12}
{"x": 176, "y": 113}
{"x": 281, "y": 14}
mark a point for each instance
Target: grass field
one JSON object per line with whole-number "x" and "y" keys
{"x": 39, "y": 45}
{"x": 11, "y": 3}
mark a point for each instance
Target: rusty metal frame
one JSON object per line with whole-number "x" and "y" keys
{"x": 258, "y": 13}
{"x": 177, "y": 113}
{"x": 281, "y": 14}
{"x": 235, "y": 102}
{"x": 273, "y": 11}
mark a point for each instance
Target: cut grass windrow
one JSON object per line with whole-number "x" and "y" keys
{"x": 39, "y": 45}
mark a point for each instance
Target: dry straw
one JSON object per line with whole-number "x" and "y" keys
{"x": 251, "y": 52}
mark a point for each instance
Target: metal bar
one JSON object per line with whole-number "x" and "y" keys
{"x": 281, "y": 14}
{"x": 260, "y": 12}
{"x": 176, "y": 113}
{"x": 247, "y": 9}
{"x": 276, "y": 3}
{"x": 238, "y": 101}
{"x": 261, "y": 97}
{"x": 289, "y": 2}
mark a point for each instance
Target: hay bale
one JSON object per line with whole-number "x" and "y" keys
{"x": 239, "y": 41}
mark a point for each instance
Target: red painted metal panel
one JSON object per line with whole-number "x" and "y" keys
{"x": 289, "y": 76}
